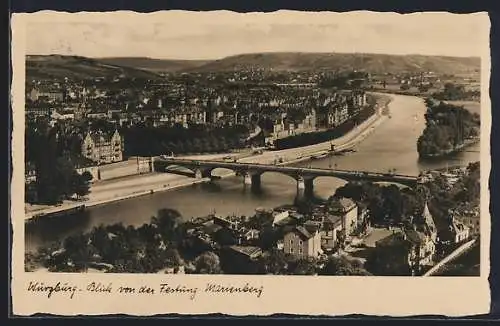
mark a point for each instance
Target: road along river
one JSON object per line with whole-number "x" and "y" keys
{"x": 392, "y": 145}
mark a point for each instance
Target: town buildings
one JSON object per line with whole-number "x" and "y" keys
{"x": 331, "y": 232}
{"x": 295, "y": 104}
{"x": 467, "y": 215}
{"x": 347, "y": 210}
{"x": 46, "y": 94}
{"x": 411, "y": 248}
{"x": 301, "y": 242}
{"x": 245, "y": 253}
{"x": 103, "y": 148}
{"x": 459, "y": 231}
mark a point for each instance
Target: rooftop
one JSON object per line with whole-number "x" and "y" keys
{"x": 342, "y": 204}
{"x": 396, "y": 239}
{"x": 286, "y": 221}
{"x": 333, "y": 219}
{"x": 415, "y": 237}
{"x": 211, "y": 228}
{"x": 250, "y": 251}
{"x": 302, "y": 232}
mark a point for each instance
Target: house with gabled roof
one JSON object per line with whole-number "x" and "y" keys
{"x": 301, "y": 242}
{"x": 348, "y": 210}
{"x": 102, "y": 147}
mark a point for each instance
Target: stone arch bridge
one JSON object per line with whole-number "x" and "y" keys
{"x": 252, "y": 172}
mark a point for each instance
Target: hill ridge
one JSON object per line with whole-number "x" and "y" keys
{"x": 298, "y": 61}
{"x": 277, "y": 61}
{"x": 78, "y": 67}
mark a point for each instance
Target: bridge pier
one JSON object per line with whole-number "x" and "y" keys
{"x": 152, "y": 164}
{"x": 202, "y": 173}
{"x": 305, "y": 185}
{"x": 252, "y": 180}
{"x": 198, "y": 174}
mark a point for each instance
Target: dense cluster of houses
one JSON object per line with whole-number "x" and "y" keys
{"x": 413, "y": 245}
{"x": 417, "y": 79}
{"x": 325, "y": 112}
{"x": 293, "y": 109}
{"x": 459, "y": 225}
{"x": 328, "y": 227}
{"x": 464, "y": 222}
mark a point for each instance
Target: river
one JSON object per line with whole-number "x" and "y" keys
{"x": 392, "y": 145}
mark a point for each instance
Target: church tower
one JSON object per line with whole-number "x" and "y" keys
{"x": 430, "y": 225}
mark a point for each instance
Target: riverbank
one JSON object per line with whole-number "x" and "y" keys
{"x": 449, "y": 129}
{"x": 456, "y": 149}
{"x": 146, "y": 184}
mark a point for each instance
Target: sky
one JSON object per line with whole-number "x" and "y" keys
{"x": 214, "y": 35}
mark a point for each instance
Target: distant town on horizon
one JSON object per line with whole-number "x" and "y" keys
{"x": 257, "y": 53}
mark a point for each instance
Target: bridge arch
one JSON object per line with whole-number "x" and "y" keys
{"x": 173, "y": 168}
{"x": 399, "y": 184}
{"x": 389, "y": 183}
{"x": 333, "y": 180}
{"x": 220, "y": 171}
{"x": 281, "y": 174}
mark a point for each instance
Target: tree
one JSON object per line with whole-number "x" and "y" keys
{"x": 79, "y": 251}
{"x": 207, "y": 263}
{"x": 274, "y": 262}
{"x": 350, "y": 190}
{"x": 87, "y": 176}
{"x": 197, "y": 145}
{"x": 167, "y": 221}
{"x": 173, "y": 258}
{"x": 188, "y": 146}
{"x": 343, "y": 266}
{"x": 180, "y": 147}
{"x": 469, "y": 187}
{"x": 393, "y": 208}
{"x": 215, "y": 143}
{"x": 206, "y": 145}
{"x": 225, "y": 237}
{"x": 389, "y": 259}
{"x": 80, "y": 185}
{"x": 260, "y": 220}
{"x": 473, "y": 167}
{"x": 269, "y": 236}
{"x": 74, "y": 146}
{"x": 303, "y": 266}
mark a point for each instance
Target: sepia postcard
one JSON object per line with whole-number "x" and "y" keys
{"x": 308, "y": 163}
